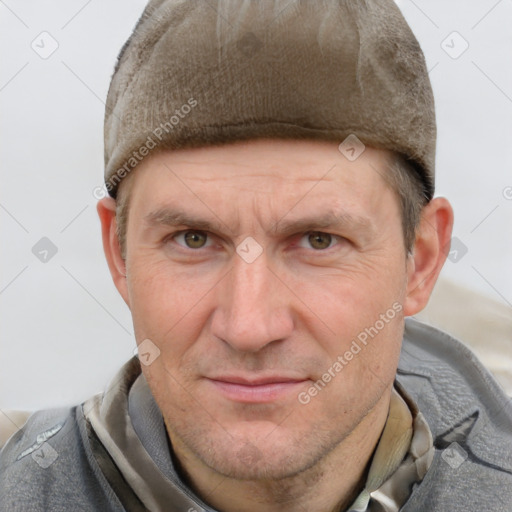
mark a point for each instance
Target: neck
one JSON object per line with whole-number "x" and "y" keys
{"x": 331, "y": 485}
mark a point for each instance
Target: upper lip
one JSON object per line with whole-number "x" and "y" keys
{"x": 256, "y": 381}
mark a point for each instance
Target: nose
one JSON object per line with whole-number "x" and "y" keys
{"x": 253, "y": 308}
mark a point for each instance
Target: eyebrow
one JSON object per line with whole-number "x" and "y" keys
{"x": 170, "y": 217}
{"x": 284, "y": 227}
{"x": 329, "y": 220}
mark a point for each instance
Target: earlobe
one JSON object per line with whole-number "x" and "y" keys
{"x": 106, "y": 208}
{"x": 429, "y": 253}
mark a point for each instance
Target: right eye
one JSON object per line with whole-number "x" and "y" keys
{"x": 192, "y": 239}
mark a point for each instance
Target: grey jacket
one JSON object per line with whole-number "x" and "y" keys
{"x": 58, "y": 463}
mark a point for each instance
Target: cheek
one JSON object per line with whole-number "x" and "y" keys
{"x": 167, "y": 307}
{"x": 364, "y": 316}
{"x": 348, "y": 302}
{"x": 360, "y": 367}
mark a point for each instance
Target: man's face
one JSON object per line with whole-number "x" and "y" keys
{"x": 253, "y": 267}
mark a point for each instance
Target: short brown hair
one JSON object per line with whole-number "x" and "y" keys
{"x": 401, "y": 176}
{"x": 405, "y": 180}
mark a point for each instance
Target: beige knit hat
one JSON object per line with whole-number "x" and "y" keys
{"x": 204, "y": 72}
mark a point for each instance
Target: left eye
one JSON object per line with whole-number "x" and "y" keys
{"x": 317, "y": 240}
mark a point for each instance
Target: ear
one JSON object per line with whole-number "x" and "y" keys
{"x": 429, "y": 253}
{"x": 107, "y": 212}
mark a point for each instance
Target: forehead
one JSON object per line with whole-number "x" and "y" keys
{"x": 275, "y": 173}
{"x": 264, "y": 158}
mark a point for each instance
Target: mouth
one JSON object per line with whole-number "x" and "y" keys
{"x": 260, "y": 390}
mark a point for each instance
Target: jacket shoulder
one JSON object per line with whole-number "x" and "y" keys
{"x": 470, "y": 417}
{"x": 47, "y": 465}
{"x": 447, "y": 379}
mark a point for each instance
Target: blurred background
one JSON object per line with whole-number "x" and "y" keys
{"x": 64, "y": 329}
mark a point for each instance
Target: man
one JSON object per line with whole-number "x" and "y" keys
{"x": 270, "y": 226}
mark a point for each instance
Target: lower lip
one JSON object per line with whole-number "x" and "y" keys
{"x": 256, "y": 394}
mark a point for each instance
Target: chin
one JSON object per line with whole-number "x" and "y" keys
{"x": 245, "y": 461}
{"x": 247, "y": 454}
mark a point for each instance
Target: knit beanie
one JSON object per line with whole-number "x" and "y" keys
{"x": 208, "y": 72}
